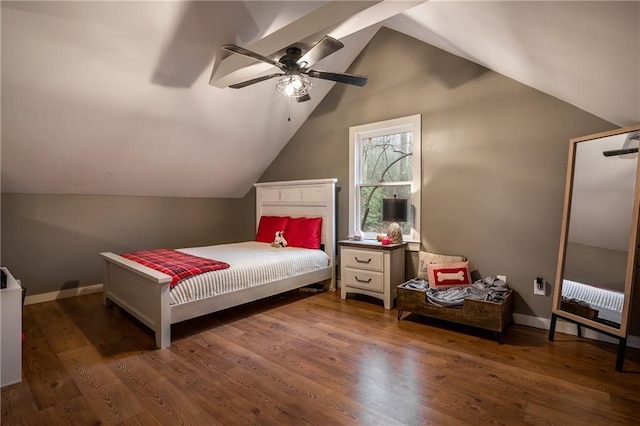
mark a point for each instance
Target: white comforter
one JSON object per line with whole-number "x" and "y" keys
{"x": 251, "y": 264}
{"x": 608, "y": 303}
{"x": 594, "y": 296}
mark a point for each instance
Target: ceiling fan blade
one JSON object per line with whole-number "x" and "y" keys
{"x": 253, "y": 55}
{"x": 325, "y": 47}
{"x": 630, "y": 146}
{"x": 356, "y": 80}
{"x": 623, "y": 151}
{"x": 303, "y": 98}
{"x": 253, "y": 81}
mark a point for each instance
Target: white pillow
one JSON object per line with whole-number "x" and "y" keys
{"x": 425, "y": 258}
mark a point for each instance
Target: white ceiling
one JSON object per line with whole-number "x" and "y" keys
{"x": 114, "y": 97}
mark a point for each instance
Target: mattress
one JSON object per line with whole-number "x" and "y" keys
{"x": 609, "y": 303}
{"x": 251, "y": 264}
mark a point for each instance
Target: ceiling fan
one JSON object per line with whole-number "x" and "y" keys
{"x": 294, "y": 67}
{"x": 629, "y": 147}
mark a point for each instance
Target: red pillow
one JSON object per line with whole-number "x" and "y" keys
{"x": 268, "y": 227}
{"x": 303, "y": 232}
{"x": 447, "y": 275}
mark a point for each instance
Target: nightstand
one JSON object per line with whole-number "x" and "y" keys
{"x": 367, "y": 267}
{"x": 11, "y": 331}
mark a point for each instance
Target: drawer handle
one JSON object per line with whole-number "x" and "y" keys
{"x": 363, "y": 281}
{"x": 363, "y": 261}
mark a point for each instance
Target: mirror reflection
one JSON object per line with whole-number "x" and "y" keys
{"x": 600, "y": 225}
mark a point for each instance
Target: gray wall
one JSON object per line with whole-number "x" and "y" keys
{"x": 51, "y": 242}
{"x": 494, "y": 156}
{"x": 597, "y": 266}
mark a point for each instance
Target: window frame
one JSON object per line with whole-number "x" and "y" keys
{"x": 410, "y": 123}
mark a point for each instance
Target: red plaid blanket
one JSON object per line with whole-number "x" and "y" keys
{"x": 177, "y": 264}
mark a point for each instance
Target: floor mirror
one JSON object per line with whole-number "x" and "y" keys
{"x": 599, "y": 240}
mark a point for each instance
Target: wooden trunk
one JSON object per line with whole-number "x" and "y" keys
{"x": 492, "y": 316}
{"x": 579, "y": 309}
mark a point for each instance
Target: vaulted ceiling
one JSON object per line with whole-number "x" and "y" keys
{"x": 131, "y": 98}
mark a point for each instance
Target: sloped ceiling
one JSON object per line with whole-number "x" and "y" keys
{"x": 114, "y": 98}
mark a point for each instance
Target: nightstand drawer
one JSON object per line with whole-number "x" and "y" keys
{"x": 363, "y": 259}
{"x": 364, "y": 279}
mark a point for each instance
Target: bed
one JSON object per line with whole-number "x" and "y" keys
{"x": 146, "y": 294}
{"x": 596, "y": 303}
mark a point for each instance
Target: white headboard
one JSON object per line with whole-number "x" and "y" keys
{"x": 298, "y": 198}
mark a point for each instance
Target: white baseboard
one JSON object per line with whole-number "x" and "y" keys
{"x": 62, "y": 294}
{"x": 570, "y": 328}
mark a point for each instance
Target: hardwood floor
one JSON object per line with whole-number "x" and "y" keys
{"x": 308, "y": 359}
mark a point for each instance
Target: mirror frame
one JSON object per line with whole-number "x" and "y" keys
{"x": 633, "y": 242}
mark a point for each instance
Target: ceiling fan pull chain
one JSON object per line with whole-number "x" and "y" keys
{"x": 289, "y": 108}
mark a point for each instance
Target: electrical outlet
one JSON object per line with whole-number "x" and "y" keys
{"x": 539, "y": 286}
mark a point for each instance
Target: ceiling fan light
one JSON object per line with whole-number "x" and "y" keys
{"x": 289, "y": 89}
{"x": 293, "y": 85}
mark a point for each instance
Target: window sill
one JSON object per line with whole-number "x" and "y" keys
{"x": 411, "y": 245}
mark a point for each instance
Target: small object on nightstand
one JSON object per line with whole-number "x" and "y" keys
{"x": 386, "y": 241}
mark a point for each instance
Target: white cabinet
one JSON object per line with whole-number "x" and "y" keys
{"x": 369, "y": 268}
{"x": 11, "y": 331}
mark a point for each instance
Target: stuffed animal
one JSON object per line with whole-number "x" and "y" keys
{"x": 279, "y": 241}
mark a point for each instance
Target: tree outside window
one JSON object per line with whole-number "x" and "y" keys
{"x": 386, "y": 171}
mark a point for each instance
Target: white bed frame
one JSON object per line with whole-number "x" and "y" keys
{"x": 144, "y": 292}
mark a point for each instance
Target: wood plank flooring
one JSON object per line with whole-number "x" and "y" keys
{"x": 306, "y": 358}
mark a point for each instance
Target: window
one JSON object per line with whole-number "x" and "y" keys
{"x": 384, "y": 161}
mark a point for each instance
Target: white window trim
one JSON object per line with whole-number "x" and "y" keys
{"x": 356, "y": 134}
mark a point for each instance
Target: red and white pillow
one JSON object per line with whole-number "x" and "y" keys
{"x": 448, "y": 275}
{"x": 302, "y": 232}
{"x": 425, "y": 258}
